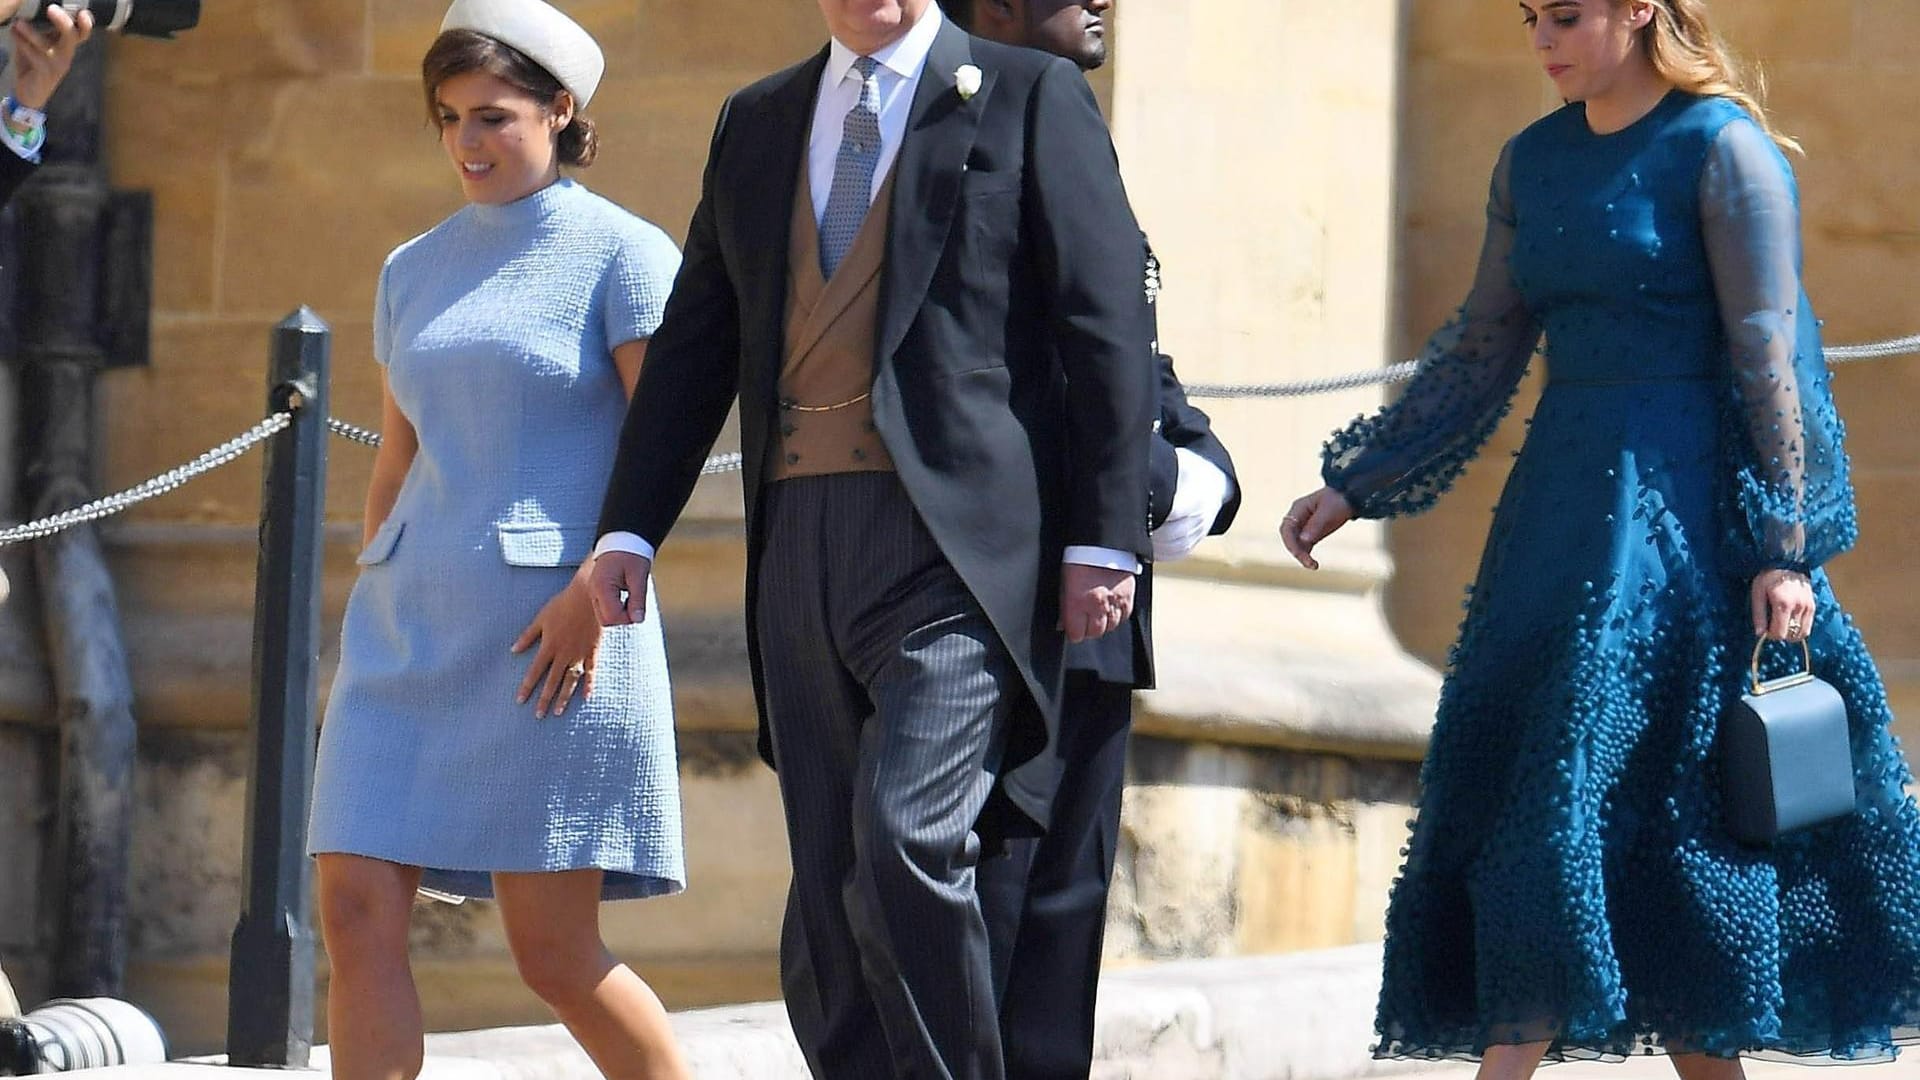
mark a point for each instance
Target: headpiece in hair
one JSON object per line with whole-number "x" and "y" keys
{"x": 548, "y": 37}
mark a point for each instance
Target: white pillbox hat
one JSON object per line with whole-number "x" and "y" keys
{"x": 548, "y": 37}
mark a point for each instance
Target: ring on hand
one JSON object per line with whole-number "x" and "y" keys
{"x": 577, "y": 671}
{"x": 1793, "y": 628}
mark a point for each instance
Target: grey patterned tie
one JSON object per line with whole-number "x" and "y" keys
{"x": 853, "y": 171}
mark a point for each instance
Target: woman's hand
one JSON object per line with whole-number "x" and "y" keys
{"x": 1311, "y": 519}
{"x": 568, "y": 636}
{"x": 1782, "y": 605}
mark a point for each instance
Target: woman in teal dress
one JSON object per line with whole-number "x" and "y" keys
{"x": 1570, "y": 889}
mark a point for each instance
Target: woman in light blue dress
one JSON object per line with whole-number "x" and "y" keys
{"x": 484, "y": 735}
{"x": 1571, "y": 889}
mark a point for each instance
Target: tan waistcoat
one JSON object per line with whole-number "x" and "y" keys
{"x": 826, "y": 369}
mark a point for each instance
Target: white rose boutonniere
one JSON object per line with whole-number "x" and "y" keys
{"x": 967, "y": 81}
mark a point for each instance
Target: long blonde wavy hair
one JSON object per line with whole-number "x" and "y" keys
{"x": 1687, "y": 52}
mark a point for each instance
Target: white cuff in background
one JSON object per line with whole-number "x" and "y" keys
{"x": 627, "y": 542}
{"x": 1198, "y": 496}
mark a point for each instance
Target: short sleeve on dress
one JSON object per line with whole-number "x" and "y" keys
{"x": 638, "y": 283}
{"x": 383, "y": 316}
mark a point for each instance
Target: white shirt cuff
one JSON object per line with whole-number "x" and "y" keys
{"x": 1104, "y": 558}
{"x": 1200, "y": 489}
{"x": 627, "y": 542}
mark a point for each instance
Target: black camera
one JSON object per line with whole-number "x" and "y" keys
{"x": 146, "y": 18}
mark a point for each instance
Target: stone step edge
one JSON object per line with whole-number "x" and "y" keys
{"x": 1302, "y": 1016}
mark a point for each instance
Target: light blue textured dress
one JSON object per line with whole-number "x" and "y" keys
{"x": 497, "y": 330}
{"x": 1570, "y": 878}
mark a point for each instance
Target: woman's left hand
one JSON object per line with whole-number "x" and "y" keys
{"x": 1782, "y": 605}
{"x": 568, "y": 636}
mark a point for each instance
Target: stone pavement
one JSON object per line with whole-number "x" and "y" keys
{"x": 1305, "y": 1016}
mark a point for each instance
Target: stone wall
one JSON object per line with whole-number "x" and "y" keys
{"x": 1258, "y": 138}
{"x": 1838, "y": 69}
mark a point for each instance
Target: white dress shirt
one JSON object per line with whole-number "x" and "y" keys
{"x": 900, "y": 67}
{"x": 1200, "y": 492}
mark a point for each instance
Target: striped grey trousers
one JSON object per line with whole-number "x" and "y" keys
{"x": 888, "y": 698}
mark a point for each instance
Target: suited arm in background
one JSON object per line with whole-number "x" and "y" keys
{"x": 1184, "y": 427}
{"x": 1093, "y": 270}
{"x": 14, "y": 171}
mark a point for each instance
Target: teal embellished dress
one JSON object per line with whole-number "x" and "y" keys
{"x": 1570, "y": 879}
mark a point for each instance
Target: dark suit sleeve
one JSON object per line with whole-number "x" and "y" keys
{"x": 1184, "y": 426}
{"x": 687, "y": 383}
{"x": 1091, "y": 261}
{"x": 14, "y": 171}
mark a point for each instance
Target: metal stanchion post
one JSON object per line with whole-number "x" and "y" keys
{"x": 270, "y": 987}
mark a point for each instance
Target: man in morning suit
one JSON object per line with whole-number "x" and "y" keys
{"x": 932, "y": 321}
{"x": 1046, "y": 901}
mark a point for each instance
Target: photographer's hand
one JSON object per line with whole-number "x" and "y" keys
{"x": 42, "y": 59}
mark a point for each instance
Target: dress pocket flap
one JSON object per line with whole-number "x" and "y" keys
{"x": 380, "y": 548}
{"x": 544, "y": 544}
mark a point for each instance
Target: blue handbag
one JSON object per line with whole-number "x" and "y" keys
{"x": 1786, "y": 757}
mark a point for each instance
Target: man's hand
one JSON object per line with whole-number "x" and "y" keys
{"x": 615, "y": 572}
{"x": 1093, "y": 600}
{"x": 41, "y": 60}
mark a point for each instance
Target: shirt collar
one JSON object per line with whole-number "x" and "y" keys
{"x": 906, "y": 57}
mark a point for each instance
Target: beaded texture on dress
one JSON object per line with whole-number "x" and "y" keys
{"x": 1570, "y": 878}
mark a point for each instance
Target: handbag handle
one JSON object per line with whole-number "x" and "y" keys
{"x": 1804, "y": 675}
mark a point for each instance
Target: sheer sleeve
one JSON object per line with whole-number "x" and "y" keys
{"x": 1784, "y": 433}
{"x": 1401, "y": 459}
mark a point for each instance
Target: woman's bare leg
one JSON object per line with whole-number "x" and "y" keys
{"x": 1707, "y": 1067}
{"x": 374, "y": 1029}
{"x": 1511, "y": 1062}
{"x": 553, "y": 927}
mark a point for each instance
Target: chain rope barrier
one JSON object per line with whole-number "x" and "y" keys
{"x": 1333, "y": 384}
{"x": 1406, "y": 369}
{"x": 238, "y": 446}
{"x": 1879, "y": 350}
{"x": 167, "y": 481}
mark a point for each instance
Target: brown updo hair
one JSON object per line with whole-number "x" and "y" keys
{"x": 458, "y": 52}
